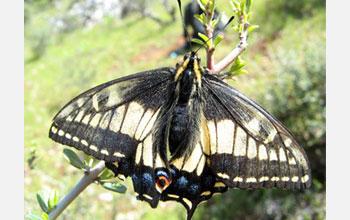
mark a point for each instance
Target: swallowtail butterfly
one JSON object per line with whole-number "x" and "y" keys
{"x": 182, "y": 134}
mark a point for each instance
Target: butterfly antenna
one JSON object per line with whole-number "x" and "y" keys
{"x": 217, "y": 33}
{"x": 183, "y": 22}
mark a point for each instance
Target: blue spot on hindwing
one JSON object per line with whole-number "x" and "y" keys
{"x": 147, "y": 180}
{"x": 194, "y": 189}
{"x": 182, "y": 182}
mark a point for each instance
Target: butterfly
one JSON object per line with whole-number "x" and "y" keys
{"x": 182, "y": 134}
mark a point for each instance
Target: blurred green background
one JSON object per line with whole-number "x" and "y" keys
{"x": 73, "y": 45}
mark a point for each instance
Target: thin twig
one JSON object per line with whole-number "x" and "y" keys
{"x": 242, "y": 45}
{"x": 89, "y": 177}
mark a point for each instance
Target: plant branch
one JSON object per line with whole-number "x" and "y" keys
{"x": 89, "y": 177}
{"x": 242, "y": 45}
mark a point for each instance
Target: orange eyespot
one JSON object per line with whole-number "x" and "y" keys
{"x": 162, "y": 182}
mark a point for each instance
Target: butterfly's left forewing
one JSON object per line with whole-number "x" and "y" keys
{"x": 115, "y": 122}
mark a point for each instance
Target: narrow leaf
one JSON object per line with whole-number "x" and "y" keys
{"x": 239, "y": 72}
{"x": 202, "y": 4}
{"x": 204, "y": 37}
{"x": 115, "y": 187}
{"x": 248, "y": 3}
{"x": 212, "y": 5}
{"x": 53, "y": 199}
{"x": 45, "y": 216}
{"x": 42, "y": 202}
{"x": 252, "y": 28}
{"x": 200, "y": 17}
{"x": 73, "y": 158}
{"x": 242, "y": 6}
{"x": 195, "y": 40}
{"x": 106, "y": 174}
{"x": 218, "y": 40}
{"x": 235, "y": 3}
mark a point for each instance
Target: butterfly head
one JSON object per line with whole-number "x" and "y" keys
{"x": 189, "y": 68}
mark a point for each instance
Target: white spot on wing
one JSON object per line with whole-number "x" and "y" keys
{"x": 252, "y": 151}
{"x": 53, "y": 129}
{"x": 262, "y": 152}
{"x": 240, "y": 142}
{"x": 188, "y": 202}
{"x": 305, "y": 178}
{"x": 143, "y": 123}
{"x": 93, "y": 147}
{"x": 60, "y": 132}
{"x": 138, "y": 153}
{"x": 113, "y": 98}
{"x": 95, "y": 120}
{"x": 95, "y": 102}
{"x": 223, "y": 175}
{"x": 251, "y": 180}
{"x": 273, "y": 155}
{"x": 117, "y": 119}
{"x": 173, "y": 196}
{"x": 275, "y": 178}
{"x": 68, "y": 136}
{"x": 295, "y": 179}
{"x": 200, "y": 166}
{"x": 264, "y": 178}
{"x": 117, "y": 154}
{"x": 212, "y": 131}
{"x": 132, "y": 118}
{"x": 86, "y": 119}
{"x": 282, "y": 155}
{"x": 84, "y": 142}
{"x": 105, "y": 120}
{"x": 147, "y": 155}
{"x": 238, "y": 179}
{"x": 225, "y": 129}
{"x": 79, "y": 116}
{"x": 285, "y": 179}
{"x": 150, "y": 125}
{"x": 192, "y": 161}
{"x": 105, "y": 152}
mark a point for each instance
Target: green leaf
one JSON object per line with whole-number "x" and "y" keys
{"x": 42, "y": 202}
{"x": 200, "y": 17}
{"x": 115, "y": 187}
{"x": 242, "y": 6}
{"x": 73, "y": 158}
{"x": 248, "y": 3}
{"x": 195, "y": 40}
{"x": 34, "y": 215}
{"x": 218, "y": 40}
{"x": 202, "y": 4}
{"x": 212, "y": 5}
{"x": 239, "y": 72}
{"x": 53, "y": 200}
{"x": 249, "y": 16}
{"x": 239, "y": 64}
{"x": 88, "y": 161}
{"x": 106, "y": 174}
{"x": 205, "y": 39}
{"x": 235, "y": 4}
{"x": 251, "y": 28}
{"x": 45, "y": 216}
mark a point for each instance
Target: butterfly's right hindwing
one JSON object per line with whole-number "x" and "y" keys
{"x": 110, "y": 120}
